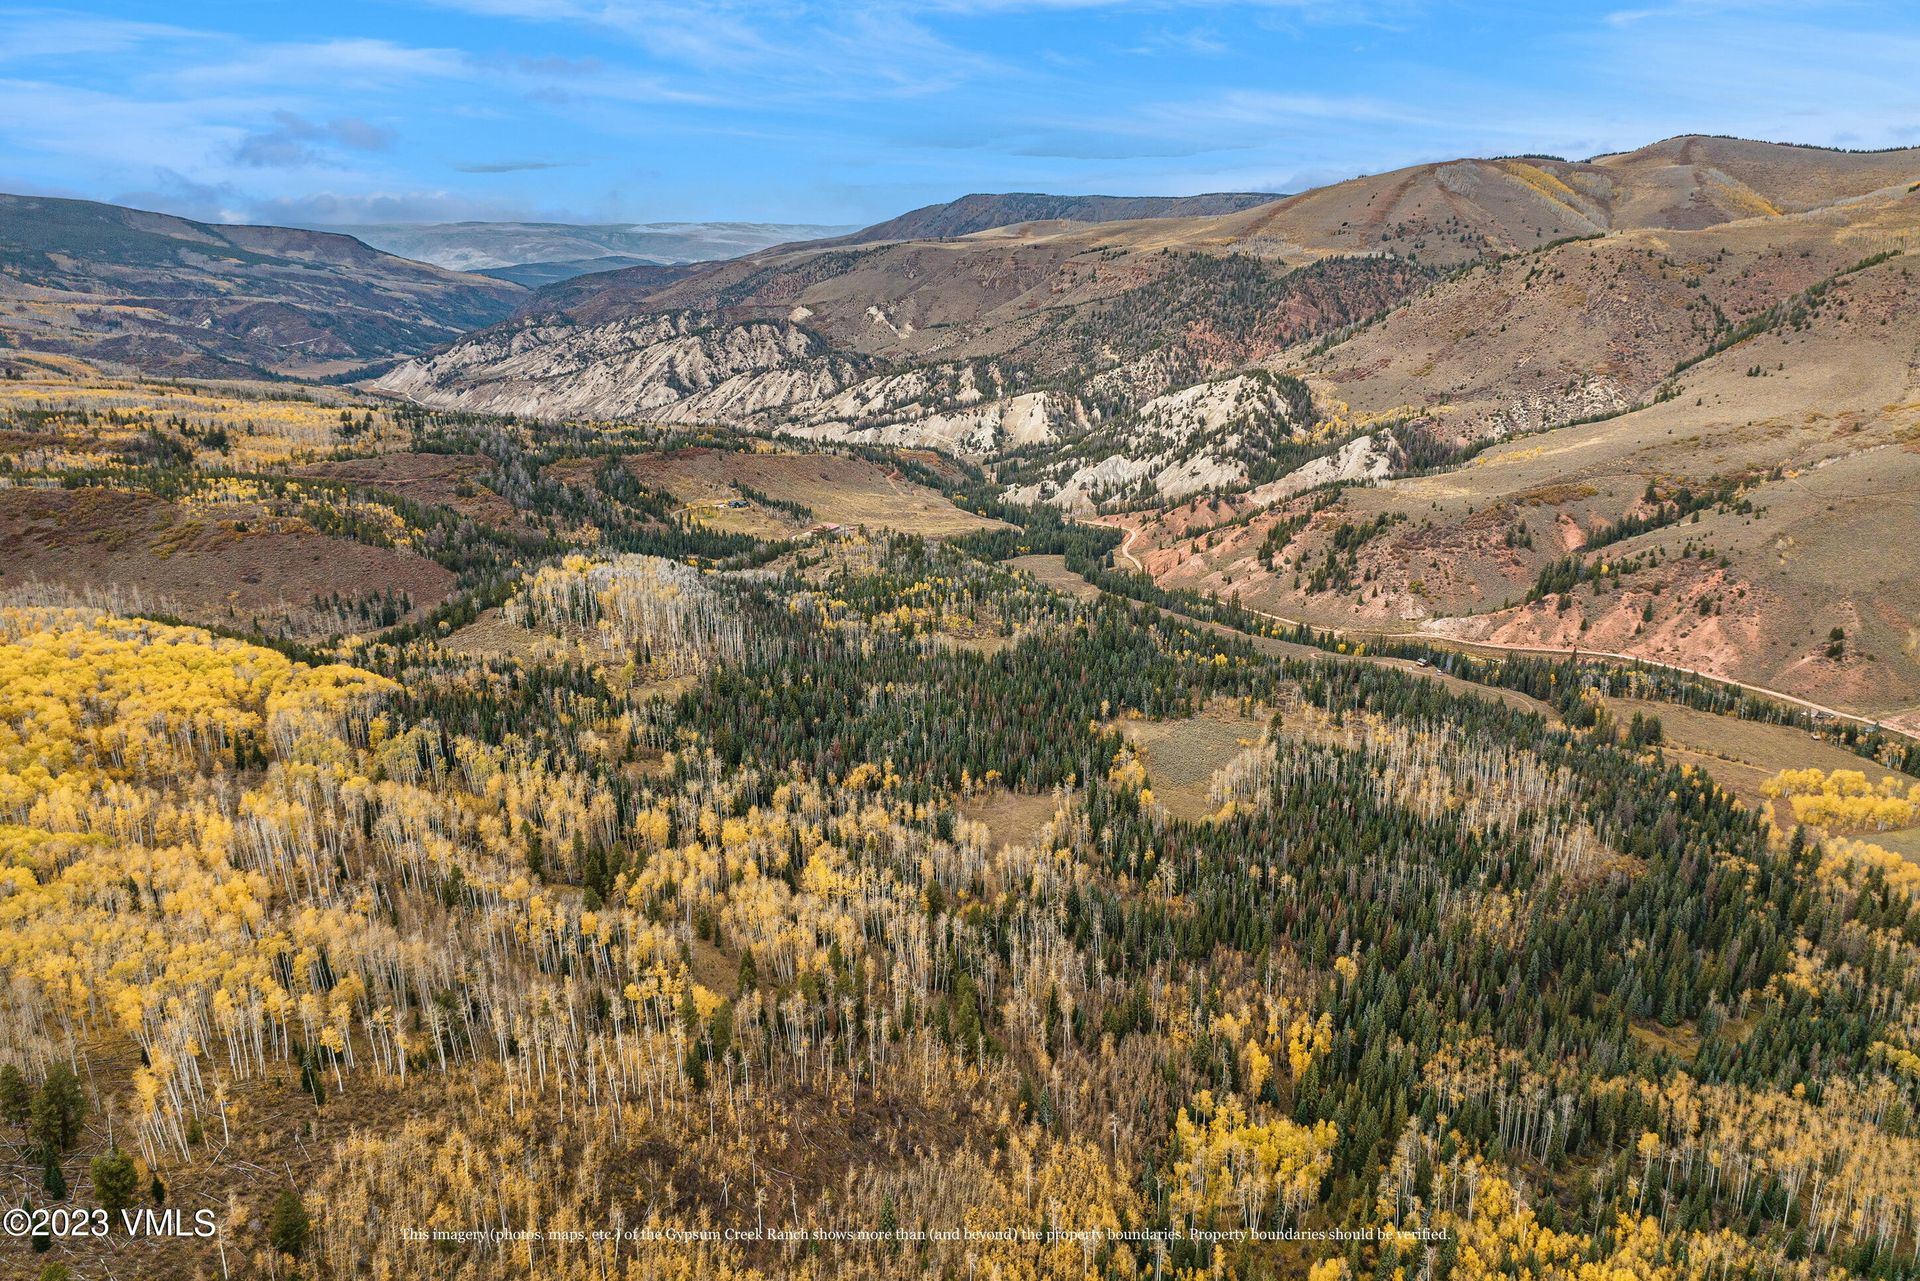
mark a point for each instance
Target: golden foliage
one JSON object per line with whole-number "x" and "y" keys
{"x": 1845, "y": 801}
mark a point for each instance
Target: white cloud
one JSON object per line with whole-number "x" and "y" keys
{"x": 772, "y": 54}
{"x": 37, "y": 36}
{"x": 356, "y": 64}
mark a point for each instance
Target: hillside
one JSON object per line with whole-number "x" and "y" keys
{"x": 170, "y": 295}
{"x": 538, "y": 275}
{"x": 1050, "y": 301}
{"x": 1230, "y": 368}
{"x": 983, "y": 212}
{"x": 1026, "y": 334}
{"x": 1595, "y": 324}
{"x": 1465, "y": 210}
{"x": 1706, "y": 428}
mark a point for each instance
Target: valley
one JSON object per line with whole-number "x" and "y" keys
{"x": 1413, "y": 404}
{"x": 1372, "y": 732}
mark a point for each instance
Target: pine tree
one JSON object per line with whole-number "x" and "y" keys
{"x": 114, "y": 1181}
{"x": 16, "y": 1096}
{"x": 288, "y": 1226}
{"x": 59, "y": 1107}
{"x": 52, "y": 1179}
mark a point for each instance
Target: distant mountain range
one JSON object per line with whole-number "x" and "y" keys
{"x": 558, "y": 250}
{"x": 545, "y": 253}
{"x": 538, "y": 275}
{"x": 171, "y": 295}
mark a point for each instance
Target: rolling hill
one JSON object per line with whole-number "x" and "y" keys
{"x": 1093, "y": 309}
{"x": 170, "y": 295}
{"x": 1466, "y": 210}
{"x": 538, "y": 275}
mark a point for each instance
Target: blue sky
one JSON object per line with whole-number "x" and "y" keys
{"x": 823, "y": 111}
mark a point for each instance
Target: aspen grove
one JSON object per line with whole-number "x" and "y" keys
{"x": 681, "y": 903}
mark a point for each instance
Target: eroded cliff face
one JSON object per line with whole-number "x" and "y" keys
{"x": 692, "y": 368}
{"x": 1131, "y": 433}
{"x": 678, "y": 367}
{"x": 1123, "y": 365}
{"x": 1102, "y": 359}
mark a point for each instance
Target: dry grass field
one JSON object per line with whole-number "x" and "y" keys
{"x": 1011, "y": 818}
{"x": 1741, "y": 755}
{"x": 836, "y": 490}
{"x": 978, "y": 642}
{"x": 494, "y": 635}
{"x": 1182, "y": 756}
{"x": 454, "y": 481}
{"x": 1052, "y": 572}
{"x": 1906, "y": 842}
{"x": 217, "y": 562}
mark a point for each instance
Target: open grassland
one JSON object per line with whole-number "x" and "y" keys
{"x": 1183, "y": 757}
{"x": 827, "y": 488}
{"x": 1053, "y": 571}
{"x": 1905, "y": 842}
{"x": 494, "y": 635}
{"x": 458, "y": 482}
{"x": 1741, "y": 755}
{"x": 225, "y": 557}
{"x": 1012, "y": 818}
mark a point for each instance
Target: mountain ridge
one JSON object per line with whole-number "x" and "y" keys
{"x": 1420, "y": 401}
{"x": 1038, "y": 293}
{"x": 137, "y": 287}
{"x": 1391, "y": 355}
{"x": 984, "y": 211}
